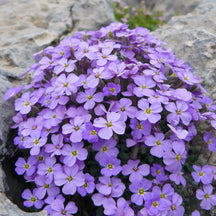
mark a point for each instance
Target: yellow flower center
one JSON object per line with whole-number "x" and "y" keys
{"x": 163, "y": 195}
{"x": 66, "y": 65}
{"x": 36, "y": 141}
{"x": 141, "y": 191}
{"x": 109, "y": 124}
{"x": 40, "y": 158}
{"x": 158, "y": 143}
{"x": 27, "y": 103}
{"x": 201, "y": 174}
{"x": 135, "y": 169}
{"x": 49, "y": 170}
{"x": 178, "y": 157}
{"x": 63, "y": 212}
{"x": 144, "y": 86}
{"x": 65, "y": 85}
{"x": 178, "y": 112}
{"x": 155, "y": 204}
{"x": 69, "y": 178}
{"x": 26, "y": 166}
{"x": 74, "y": 153}
{"x": 148, "y": 111}
{"x": 173, "y": 207}
{"x": 110, "y": 166}
{"x": 33, "y": 199}
{"x": 206, "y": 196}
{"x": 122, "y": 109}
{"x": 92, "y": 132}
{"x": 104, "y": 148}
{"x": 139, "y": 126}
{"x": 85, "y": 185}
{"x": 112, "y": 90}
{"x": 158, "y": 172}
{"x": 46, "y": 186}
{"x": 76, "y": 128}
{"x": 89, "y": 97}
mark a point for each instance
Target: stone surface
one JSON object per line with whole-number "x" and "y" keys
{"x": 192, "y": 37}
{"x": 172, "y": 7}
{"x": 7, "y": 208}
{"x": 6, "y": 113}
{"x": 27, "y": 27}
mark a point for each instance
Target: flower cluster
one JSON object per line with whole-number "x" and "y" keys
{"x": 100, "y": 105}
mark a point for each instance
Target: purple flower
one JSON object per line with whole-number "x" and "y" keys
{"x": 111, "y": 165}
{"x": 158, "y": 172}
{"x": 158, "y": 144}
{"x": 105, "y": 56}
{"x": 122, "y": 208}
{"x": 73, "y": 152}
{"x": 90, "y": 133}
{"x": 211, "y": 141}
{"x": 31, "y": 199}
{"x": 24, "y": 104}
{"x": 97, "y": 74}
{"x": 64, "y": 65}
{"x": 174, "y": 160}
{"x": 59, "y": 209}
{"x": 136, "y": 172}
{"x": 34, "y": 142}
{"x": 139, "y": 188}
{"x": 179, "y": 111}
{"x": 178, "y": 178}
{"x": 48, "y": 167}
{"x": 105, "y": 148}
{"x": 155, "y": 203}
{"x": 150, "y": 113}
{"x": 32, "y": 126}
{"x": 111, "y": 89}
{"x": 110, "y": 124}
{"x": 202, "y": 174}
{"x": 45, "y": 186}
{"x": 124, "y": 108}
{"x": 110, "y": 186}
{"x": 75, "y": 128}
{"x": 66, "y": 85}
{"x": 55, "y": 147}
{"x": 140, "y": 128}
{"x": 176, "y": 209}
{"x": 88, "y": 186}
{"x": 195, "y": 213}
{"x": 28, "y": 167}
{"x": 89, "y": 97}
{"x": 206, "y": 196}
{"x": 70, "y": 178}
{"x": 145, "y": 83}
{"x": 12, "y": 92}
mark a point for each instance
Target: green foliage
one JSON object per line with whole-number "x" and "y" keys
{"x": 138, "y": 16}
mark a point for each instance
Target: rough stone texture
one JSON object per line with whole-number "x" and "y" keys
{"x": 172, "y": 7}
{"x": 27, "y": 27}
{"x": 6, "y": 113}
{"x": 7, "y": 208}
{"x": 192, "y": 37}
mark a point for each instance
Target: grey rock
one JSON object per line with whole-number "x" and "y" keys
{"x": 192, "y": 37}
{"x": 172, "y": 7}
{"x": 92, "y": 15}
{"x": 6, "y": 113}
{"x": 7, "y": 208}
{"x": 27, "y": 27}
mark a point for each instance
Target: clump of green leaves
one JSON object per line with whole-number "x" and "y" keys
{"x": 138, "y": 16}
